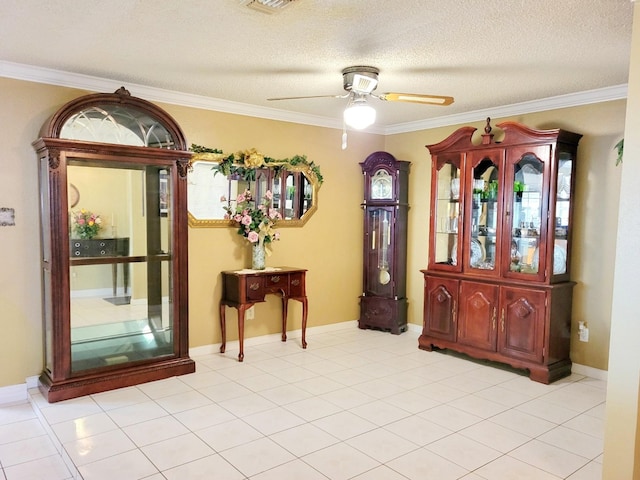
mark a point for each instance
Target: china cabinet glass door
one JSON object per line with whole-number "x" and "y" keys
{"x": 526, "y": 199}
{"x": 563, "y": 199}
{"x": 120, "y": 307}
{"x": 484, "y": 220}
{"x": 447, "y": 213}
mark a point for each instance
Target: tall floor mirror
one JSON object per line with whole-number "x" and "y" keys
{"x": 113, "y": 189}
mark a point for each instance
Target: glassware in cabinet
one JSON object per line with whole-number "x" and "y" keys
{"x": 447, "y": 213}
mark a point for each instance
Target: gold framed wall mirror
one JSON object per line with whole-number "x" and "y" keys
{"x": 211, "y": 188}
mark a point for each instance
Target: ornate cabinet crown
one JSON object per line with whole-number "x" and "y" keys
{"x": 383, "y": 303}
{"x": 498, "y": 282}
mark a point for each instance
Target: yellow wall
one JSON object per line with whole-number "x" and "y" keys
{"x": 330, "y": 243}
{"x": 25, "y": 107}
{"x": 325, "y": 246}
{"x": 621, "y": 440}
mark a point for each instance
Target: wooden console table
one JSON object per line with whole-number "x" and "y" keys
{"x": 241, "y": 289}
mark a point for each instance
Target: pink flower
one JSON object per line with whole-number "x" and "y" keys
{"x": 276, "y": 236}
{"x": 274, "y": 214}
{"x": 256, "y": 219}
{"x": 223, "y": 198}
{"x": 80, "y": 221}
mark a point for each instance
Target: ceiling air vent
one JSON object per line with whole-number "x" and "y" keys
{"x": 267, "y": 6}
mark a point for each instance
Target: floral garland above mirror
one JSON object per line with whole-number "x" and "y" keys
{"x": 244, "y": 164}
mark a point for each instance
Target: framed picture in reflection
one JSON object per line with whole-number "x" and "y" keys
{"x": 164, "y": 193}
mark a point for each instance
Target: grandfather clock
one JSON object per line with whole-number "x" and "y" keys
{"x": 383, "y": 304}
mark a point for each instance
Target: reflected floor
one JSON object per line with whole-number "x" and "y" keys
{"x": 107, "y": 333}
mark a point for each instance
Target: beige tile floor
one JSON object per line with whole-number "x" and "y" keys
{"x": 357, "y": 404}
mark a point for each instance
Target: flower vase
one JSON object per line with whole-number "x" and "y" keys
{"x": 257, "y": 256}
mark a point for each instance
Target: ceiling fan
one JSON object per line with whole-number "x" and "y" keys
{"x": 359, "y": 83}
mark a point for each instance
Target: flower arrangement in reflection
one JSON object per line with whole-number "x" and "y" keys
{"x": 256, "y": 220}
{"x": 86, "y": 224}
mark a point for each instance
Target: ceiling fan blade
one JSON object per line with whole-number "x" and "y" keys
{"x": 311, "y": 96}
{"x": 416, "y": 98}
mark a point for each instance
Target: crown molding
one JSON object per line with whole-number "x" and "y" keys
{"x": 97, "y": 84}
{"x": 617, "y": 92}
{"x": 50, "y": 76}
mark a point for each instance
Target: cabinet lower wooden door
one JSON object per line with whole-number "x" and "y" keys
{"x": 478, "y": 315}
{"x": 522, "y": 320}
{"x": 441, "y": 303}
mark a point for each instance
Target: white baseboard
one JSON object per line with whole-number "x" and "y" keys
{"x": 273, "y": 337}
{"x": 412, "y": 327}
{"x": 590, "y": 372}
{"x": 13, "y": 394}
{"x": 32, "y": 382}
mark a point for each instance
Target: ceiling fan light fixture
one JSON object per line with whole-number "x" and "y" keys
{"x": 359, "y": 114}
{"x": 364, "y": 84}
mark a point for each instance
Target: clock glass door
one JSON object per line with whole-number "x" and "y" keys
{"x": 379, "y": 250}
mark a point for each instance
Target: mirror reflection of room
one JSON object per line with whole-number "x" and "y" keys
{"x": 119, "y": 268}
{"x": 210, "y": 191}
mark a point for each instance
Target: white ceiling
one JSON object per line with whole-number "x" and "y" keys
{"x": 487, "y": 54}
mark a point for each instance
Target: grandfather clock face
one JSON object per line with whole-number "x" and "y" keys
{"x": 381, "y": 185}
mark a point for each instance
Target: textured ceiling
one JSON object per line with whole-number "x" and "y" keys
{"x": 485, "y": 53}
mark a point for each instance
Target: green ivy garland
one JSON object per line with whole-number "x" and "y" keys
{"x": 244, "y": 164}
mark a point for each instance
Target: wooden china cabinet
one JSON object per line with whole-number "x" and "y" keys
{"x": 125, "y": 161}
{"x": 498, "y": 282}
{"x": 383, "y": 304}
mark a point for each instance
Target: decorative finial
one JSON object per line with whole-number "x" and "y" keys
{"x": 487, "y": 128}
{"x": 487, "y": 136}
{"x": 122, "y": 91}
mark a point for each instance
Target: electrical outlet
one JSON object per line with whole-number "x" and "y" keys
{"x": 583, "y": 332}
{"x": 584, "y": 335}
{"x": 249, "y": 314}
